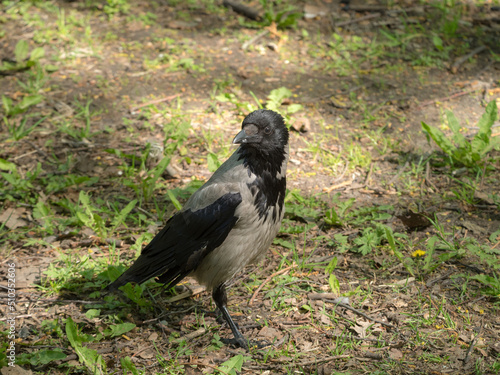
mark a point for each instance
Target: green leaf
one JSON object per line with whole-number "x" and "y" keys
{"x": 21, "y": 50}
{"x": 7, "y": 165}
{"x": 93, "y": 313}
{"x": 331, "y": 266}
{"x": 481, "y": 141}
{"x": 41, "y": 357}
{"x": 390, "y": 238}
{"x": 233, "y": 365}
{"x": 37, "y": 54}
{"x": 487, "y": 280}
{"x": 455, "y": 128}
{"x": 292, "y": 108}
{"x": 7, "y": 104}
{"x": 128, "y": 365}
{"x": 86, "y": 356}
{"x": 213, "y": 162}
{"x": 431, "y": 246}
{"x": 407, "y": 263}
{"x": 332, "y": 218}
{"x": 334, "y": 284}
{"x": 174, "y": 200}
{"x": 49, "y": 68}
{"x": 494, "y": 237}
{"x": 122, "y": 216}
{"x": 29, "y": 101}
{"x": 276, "y": 97}
{"x": 438, "y": 42}
{"x": 119, "y": 329}
{"x": 286, "y": 244}
{"x": 440, "y": 139}
{"x": 488, "y": 119}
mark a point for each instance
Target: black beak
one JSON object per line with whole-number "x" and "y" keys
{"x": 241, "y": 137}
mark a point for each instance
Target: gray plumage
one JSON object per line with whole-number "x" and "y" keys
{"x": 229, "y": 222}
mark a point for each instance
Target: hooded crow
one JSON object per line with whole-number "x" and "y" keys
{"x": 229, "y": 222}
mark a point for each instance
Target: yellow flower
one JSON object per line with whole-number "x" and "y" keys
{"x": 418, "y": 253}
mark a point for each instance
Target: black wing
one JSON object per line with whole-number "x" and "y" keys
{"x": 182, "y": 244}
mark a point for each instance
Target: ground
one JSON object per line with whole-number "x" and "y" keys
{"x": 114, "y": 112}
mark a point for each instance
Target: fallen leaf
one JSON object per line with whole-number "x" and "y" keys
{"x": 16, "y": 370}
{"x": 361, "y": 328}
{"x": 12, "y": 219}
{"x": 395, "y": 354}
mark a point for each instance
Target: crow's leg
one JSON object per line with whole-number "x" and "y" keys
{"x": 220, "y": 298}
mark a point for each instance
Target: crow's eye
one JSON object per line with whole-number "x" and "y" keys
{"x": 268, "y": 130}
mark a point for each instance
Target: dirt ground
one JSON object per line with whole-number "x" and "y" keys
{"x": 436, "y": 322}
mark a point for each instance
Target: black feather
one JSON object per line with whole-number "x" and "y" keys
{"x": 265, "y": 161}
{"x": 183, "y": 243}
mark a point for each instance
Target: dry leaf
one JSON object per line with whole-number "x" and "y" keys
{"x": 395, "y": 354}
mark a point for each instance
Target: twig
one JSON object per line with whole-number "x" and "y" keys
{"x": 368, "y": 8}
{"x": 143, "y": 349}
{"x": 317, "y": 360}
{"x": 267, "y": 280}
{"x": 369, "y": 174}
{"x": 167, "y": 314}
{"x": 27, "y": 316}
{"x": 23, "y": 155}
{"x": 59, "y": 300}
{"x": 343, "y": 172}
{"x": 458, "y": 62}
{"x": 166, "y": 99}
{"x": 362, "y": 314}
{"x": 331, "y": 335}
{"x": 190, "y": 336}
{"x": 399, "y": 173}
{"x": 260, "y": 35}
{"x": 242, "y": 9}
{"x": 338, "y": 186}
{"x": 360, "y": 19}
{"x": 472, "y": 301}
{"x": 428, "y": 177}
{"x": 445, "y": 276}
{"x": 456, "y": 95}
{"x": 37, "y": 149}
{"x": 471, "y": 346}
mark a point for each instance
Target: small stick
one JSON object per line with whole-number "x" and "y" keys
{"x": 362, "y": 314}
{"x": 260, "y": 35}
{"x": 27, "y": 316}
{"x": 367, "y": 179}
{"x": 360, "y": 19}
{"x": 320, "y": 360}
{"x": 343, "y": 172}
{"x": 456, "y": 65}
{"x": 428, "y": 176}
{"x": 242, "y": 9}
{"x": 166, "y": 99}
{"x": 456, "y": 95}
{"x": 398, "y": 174}
{"x": 338, "y": 186}
{"x": 330, "y": 335}
{"x": 267, "y": 280}
{"x": 191, "y": 335}
{"x": 471, "y": 346}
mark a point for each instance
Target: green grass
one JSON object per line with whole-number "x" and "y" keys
{"x": 181, "y": 112}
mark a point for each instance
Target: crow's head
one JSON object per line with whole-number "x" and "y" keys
{"x": 264, "y": 130}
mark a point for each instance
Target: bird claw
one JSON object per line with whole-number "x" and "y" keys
{"x": 244, "y": 344}
{"x": 238, "y": 342}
